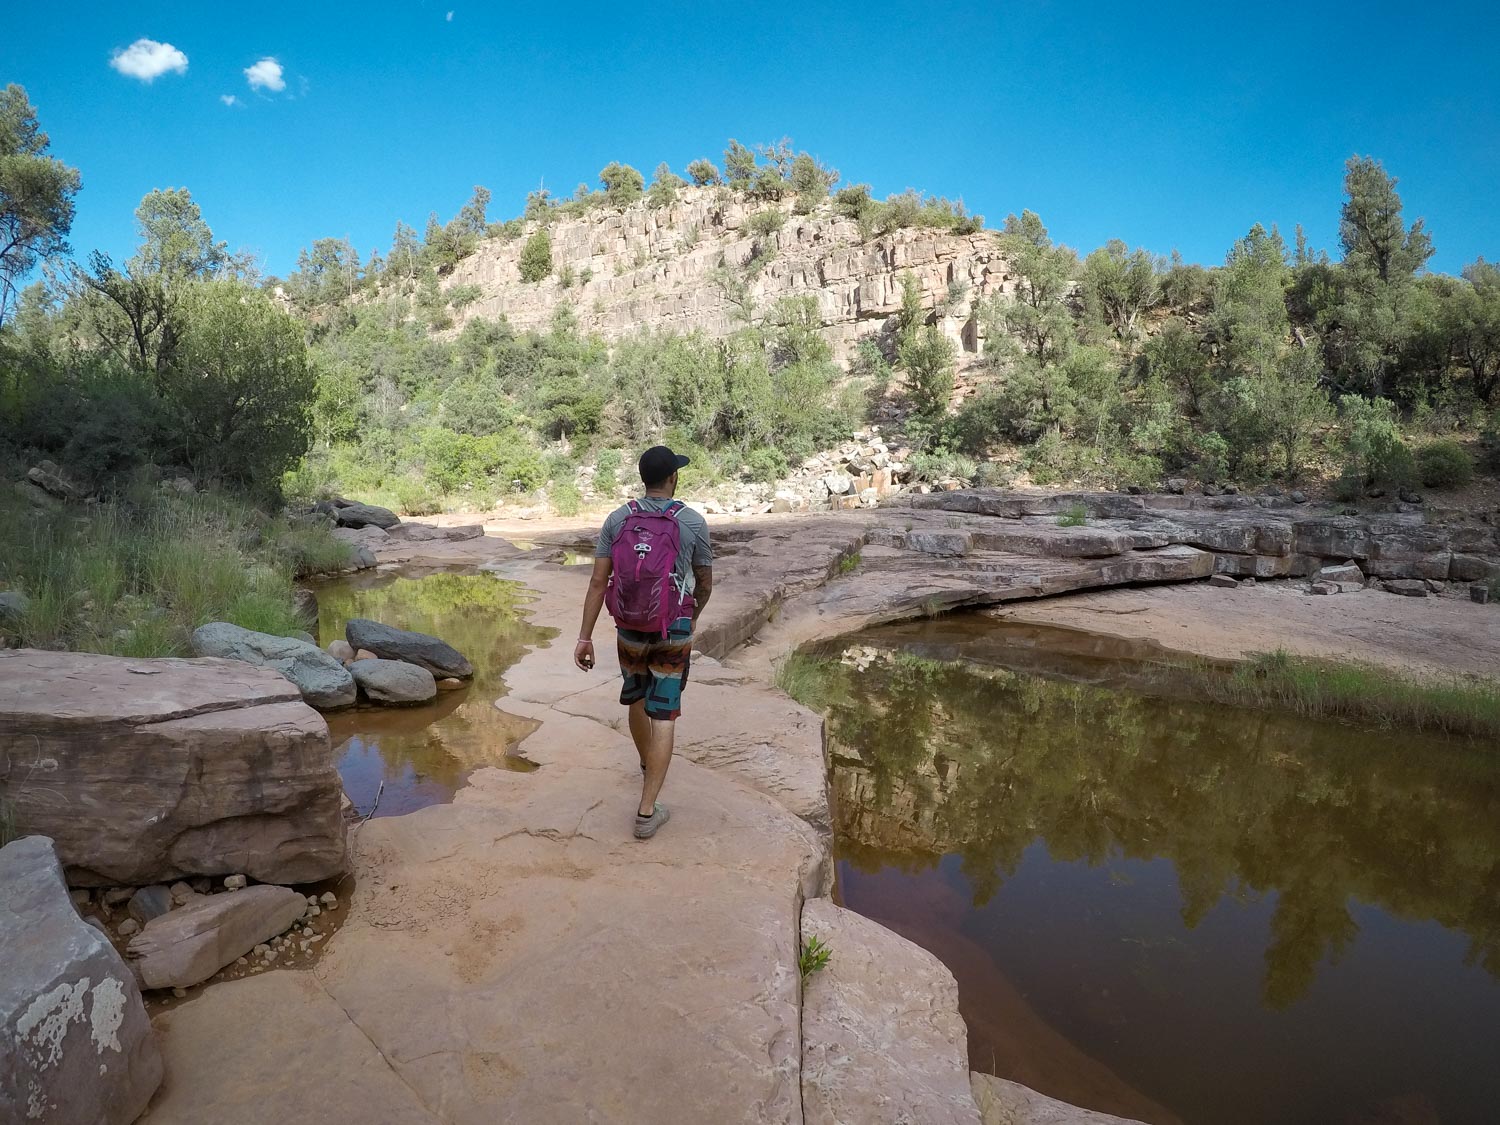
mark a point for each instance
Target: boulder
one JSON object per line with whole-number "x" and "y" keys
{"x": 1409, "y": 587}
{"x": 1002, "y": 1102}
{"x": 1225, "y": 581}
{"x": 188, "y": 946}
{"x": 838, "y": 484}
{"x": 49, "y": 478}
{"x": 437, "y": 656}
{"x": 362, "y": 559}
{"x": 1479, "y": 595}
{"x": 366, "y": 515}
{"x": 13, "y": 606}
{"x": 371, "y": 536}
{"x": 75, "y": 1043}
{"x": 37, "y": 497}
{"x": 340, "y": 650}
{"x": 307, "y": 607}
{"x": 425, "y": 532}
{"x": 882, "y": 1040}
{"x": 1344, "y": 572}
{"x": 944, "y": 544}
{"x": 146, "y": 771}
{"x": 393, "y": 681}
{"x": 322, "y": 680}
{"x": 150, "y": 902}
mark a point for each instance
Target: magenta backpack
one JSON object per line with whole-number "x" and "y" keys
{"x": 642, "y": 593}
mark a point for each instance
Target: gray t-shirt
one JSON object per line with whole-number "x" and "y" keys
{"x": 693, "y": 548}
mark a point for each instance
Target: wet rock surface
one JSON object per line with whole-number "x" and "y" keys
{"x": 1009, "y": 1103}
{"x": 75, "y": 1044}
{"x": 145, "y": 771}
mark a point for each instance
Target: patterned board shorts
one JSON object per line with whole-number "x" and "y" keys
{"x": 655, "y": 668}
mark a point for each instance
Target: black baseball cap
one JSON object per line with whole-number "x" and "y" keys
{"x": 658, "y": 463}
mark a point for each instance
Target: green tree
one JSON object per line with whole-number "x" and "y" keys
{"x": 1294, "y": 406}
{"x": 923, "y": 353}
{"x": 665, "y": 185}
{"x": 1372, "y": 320}
{"x": 405, "y": 251}
{"x": 470, "y": 222}
{"x": 739, "y": 165}
{"x": 1037, "y": 316}
{"x": 239, "y": 387}
{"x": 1249, "y": 317}
{"x": 623, "y": 185}
{"x": 536, "y": 257}
{"x": 175, "y": 239}
{"x": 36, "y": 195}
{"x": 810, "y": 181}
{"x": 704, "y": 172}
{"x": 1471, "y": 322}
{"x": 1120, "y": 284}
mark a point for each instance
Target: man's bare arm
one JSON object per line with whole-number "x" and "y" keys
{"x": 703, "y": 577}
{"x": 593, "y": 602}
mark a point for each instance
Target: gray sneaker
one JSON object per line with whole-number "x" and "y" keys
{"x": 645, "y": 827}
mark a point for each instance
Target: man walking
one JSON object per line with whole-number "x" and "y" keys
{"x": 653, "y": 565}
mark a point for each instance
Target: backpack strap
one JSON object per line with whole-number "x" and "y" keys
{"x": 635, "y": 507}
{"x": 673, "y": 508}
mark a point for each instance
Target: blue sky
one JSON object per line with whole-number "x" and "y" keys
{"x": 1177, "y": 125}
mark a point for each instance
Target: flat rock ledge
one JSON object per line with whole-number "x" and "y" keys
{"x": 882, "y": 1040}
{"x": 148, "y": 771}
{"x": 1009, "y": 1103}
{"x": 75, "y": 1044}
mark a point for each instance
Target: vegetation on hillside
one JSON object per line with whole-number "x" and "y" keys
{"x": 1113, "y": 368}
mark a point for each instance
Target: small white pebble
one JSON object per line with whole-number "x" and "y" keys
{"x": 312, "y": 900}
{"x": 329, "y": 899}
{"x": 241, "y": 961}
{"x": 313, "y": 912}
{"x": 179, "y": 992}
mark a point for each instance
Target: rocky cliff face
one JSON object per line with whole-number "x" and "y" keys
{"x": 662, "y": 268}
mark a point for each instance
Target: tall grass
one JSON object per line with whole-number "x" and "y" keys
{"x": 1359, "y": 693}
{"x": 136, "y": 575}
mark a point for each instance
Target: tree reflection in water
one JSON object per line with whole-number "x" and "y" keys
{"x": 932, "y": 758}
{"x": 423, "y": 754}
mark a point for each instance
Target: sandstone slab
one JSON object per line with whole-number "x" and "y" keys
{"x": 323, "y": 681}
{"x": 883, "y": 1042}
{"x": 1009, "y": 1103}
{"x": 75, "y": 1044}
{"x": 313, "y": 1065}
{"x": 393, "y": 682}
{"x": 191, "y": 944}
{"x": 145, "y": 771}
{"x": 421, "y": 649}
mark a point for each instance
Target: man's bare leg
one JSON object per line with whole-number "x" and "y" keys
{"x": 658, "y": 756}
{"x": 640, "y": 730}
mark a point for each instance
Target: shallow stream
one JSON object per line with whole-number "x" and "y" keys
{"x": 1164, "y": 908}
{"x": 419, "y": 756}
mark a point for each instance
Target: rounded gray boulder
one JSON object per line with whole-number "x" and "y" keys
{"x": 322, "y": 680}
{"x": 366, "y": 515}
{"x": 437, "y": 656}
{"x": 393, "y": 682}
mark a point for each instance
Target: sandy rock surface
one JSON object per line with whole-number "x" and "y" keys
{"x": 1009, "y": 1103}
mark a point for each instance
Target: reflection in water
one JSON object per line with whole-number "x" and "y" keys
{"x": 1247, "y": 917}
{"x": 423, "y": 754}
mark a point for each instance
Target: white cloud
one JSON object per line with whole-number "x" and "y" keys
{"x": 229, "y": 99}
{"x": 266, "y": 75}
{"x": 450, "y": 17}
{"x": 147, "y": 59}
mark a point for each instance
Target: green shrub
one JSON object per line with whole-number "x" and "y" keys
{"x": 567, "y": 500}
{"x": 1074, "y": 515}
{"x": 416, "y": 497}
{"x": 623, "y": 185}
{"x": 767, "y": 465}
{"x": 765, "y": 223}
{"x": 1444, "y": 464}
{"x": 704, "y": 172}
{"x": 607, "y": 473}
{"x": 536, "y": 257}
{"x": 1374, "y": 452}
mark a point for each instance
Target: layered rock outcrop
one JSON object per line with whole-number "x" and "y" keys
{"x": 661, "y": 268}
{"x": 145, "y": 771}
{"x": 75, "y": 1044}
